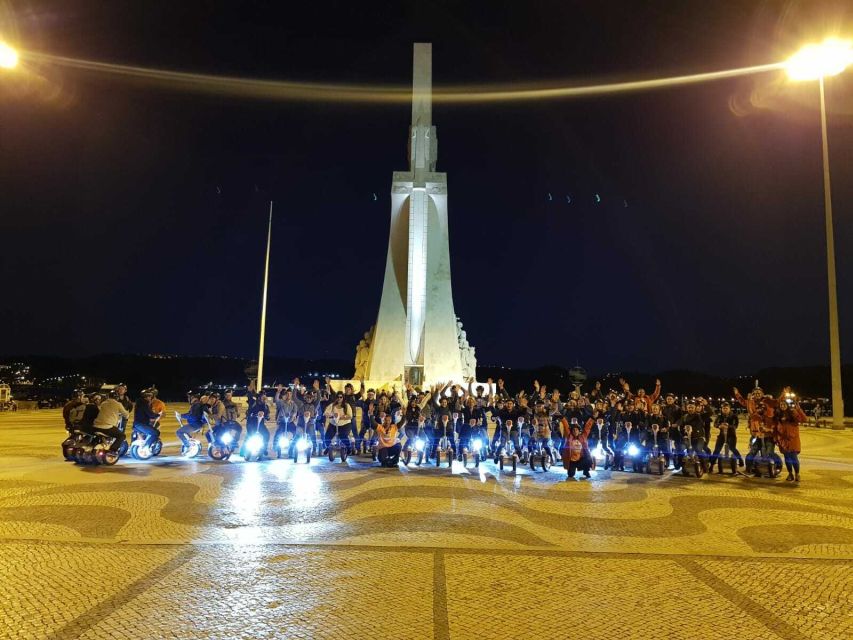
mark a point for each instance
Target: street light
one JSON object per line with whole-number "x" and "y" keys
{"x": 816, "y": 62}
{"x": 8, "y": 56}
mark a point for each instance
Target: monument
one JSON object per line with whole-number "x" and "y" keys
{"x": 417, "y": 337}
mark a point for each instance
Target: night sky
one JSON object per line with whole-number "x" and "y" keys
{"x": 133, "y": 218}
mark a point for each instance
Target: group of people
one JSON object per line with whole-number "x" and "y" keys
{"x": 108, "y": 414}
{"x": 620, "y": 425}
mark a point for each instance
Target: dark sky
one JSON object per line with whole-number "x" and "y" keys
{"x": 133, "y": 218}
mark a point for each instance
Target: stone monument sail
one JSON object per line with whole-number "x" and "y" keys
{"x": 417, "y": 337}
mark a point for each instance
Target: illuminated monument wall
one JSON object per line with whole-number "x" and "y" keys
{"x": 417, "y": 337}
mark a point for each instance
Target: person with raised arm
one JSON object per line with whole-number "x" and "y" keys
{"x": 789, "y": 416}
{"x": 576, "y": 455}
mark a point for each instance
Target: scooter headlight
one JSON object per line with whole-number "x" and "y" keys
{"x": 302, "y": 444}
{"x": 282, "y": 442}
{"x": 419, "y": 444}
{"x": 254, "y": 444}
{"x": 633, "y": 450}
{"x": 477, "y": 444}
{"x": 227, "y": 438}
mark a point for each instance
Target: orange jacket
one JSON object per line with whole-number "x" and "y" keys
{"x": 387, "y": 436}
{"x": 788, "y": 431}
{"x": 648, "y": 400}
{"x": 574, "y": 447}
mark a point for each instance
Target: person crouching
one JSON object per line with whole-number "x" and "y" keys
{"x": 387, "y": 442}
{"x": 576, "y": 454}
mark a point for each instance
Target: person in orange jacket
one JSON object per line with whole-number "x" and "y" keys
{"x": 641, "y": 398}
{"x": 576, "y": 454}
{"x": 789, "y": 416}
{"x": 388, "y": 444}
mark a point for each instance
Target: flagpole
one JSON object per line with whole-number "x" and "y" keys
{"x": 264, "y": 306}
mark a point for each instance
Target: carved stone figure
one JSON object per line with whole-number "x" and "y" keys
{"x": 362, "y": 354}
{"x": 466, "y": 352}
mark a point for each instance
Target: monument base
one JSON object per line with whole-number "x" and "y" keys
{"x": 399, "y": 385}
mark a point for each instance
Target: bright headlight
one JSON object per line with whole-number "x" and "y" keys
{"x": 419, "y": 444}
{"x": 302, "y": 444}
{"x": 227, "y": 437}
{"x": 477, "y": 444}
{"x": 282, "y": 442}
{"x": 633, "y": 450}
{"x": 254, "y": 444}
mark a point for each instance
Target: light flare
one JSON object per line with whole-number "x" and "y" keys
{"x": 282, "y": 90}
{"x": 8, "y": 56}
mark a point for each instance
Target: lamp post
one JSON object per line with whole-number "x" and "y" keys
{"x": 816, "y": 62}
{"x": 260, "y": 384}
{"x": 8, "y": 56}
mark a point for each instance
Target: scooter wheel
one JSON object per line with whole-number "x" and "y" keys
{"x": 156, "y": 448}
{"x": 331, "y": 455}
{"x": 134, "y": 451}
{"x": 437, "y": 459}
{"x": 449, "y": 458}
{"x": 407, "y": 457}
{"x": 420, "y": 458}
{"x": 344, "y": 454}
{"x": 308, "y": 456}
{"x": 107, "y": 457}
{"x": 698, "y": 470}
{"x": 476, "y": 461}
{"x": 67, "y": 451}
{"x": 546, "y": 462}
{"x": 514, "y": 464}
{"x": 122, "y": 450}
{"x": 217, "y": 453}
{"x": 501, "y": 463}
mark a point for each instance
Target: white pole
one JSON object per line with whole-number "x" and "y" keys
{"x": 834, "y": 341}
{"x": 264, "y": 307}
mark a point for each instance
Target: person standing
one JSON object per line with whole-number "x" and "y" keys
{"x": 789, "y": 417}
{"x": 726, "y": 422}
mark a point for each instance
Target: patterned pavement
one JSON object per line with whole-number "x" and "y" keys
{"x": 175, "y": 548}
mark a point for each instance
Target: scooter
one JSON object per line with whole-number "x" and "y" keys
{"x": 601, "y": 453}
{"x": 341, "y": 447}
{"x": 443, "y": 448}
{"x": 416, "y": 446}
{"x": 253, "y": 447}
{"x": 92, "y": 449}
{"x": 193, "y": 446}
{"x": 691, "y": 462}
{"x": 140, "y": 451}
{"x": 221, "y": 446}
{"x": 302, "y": 446}
{"x": 540, "y": 454}
{"x": 476, "y": 447}
{"x": 726, "y": 455}
{"x": 655, "y": 459}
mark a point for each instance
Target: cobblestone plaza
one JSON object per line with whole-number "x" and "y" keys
{"x": 175, "y": 548}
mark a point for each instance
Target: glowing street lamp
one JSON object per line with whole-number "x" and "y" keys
{"x": 8, "y": 56}
{"x": 816, "y": 62}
